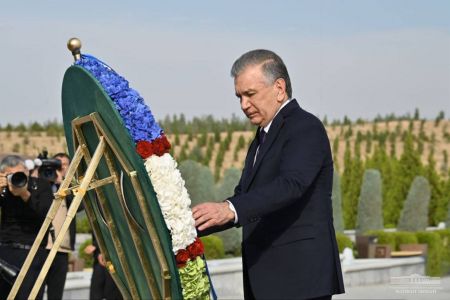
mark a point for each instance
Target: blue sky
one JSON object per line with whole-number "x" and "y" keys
{"x": 354, "y": 58}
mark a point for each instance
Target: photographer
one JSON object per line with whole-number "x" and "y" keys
{"x": 57, "y": 273}
{"x": 24, "y": 204}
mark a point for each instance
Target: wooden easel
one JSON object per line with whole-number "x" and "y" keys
{"x": 107, "y": 149}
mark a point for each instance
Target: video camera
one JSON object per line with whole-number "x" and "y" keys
{"x": 48, "y": 167}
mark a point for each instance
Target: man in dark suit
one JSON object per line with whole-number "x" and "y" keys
{"x": 283, "y": 199}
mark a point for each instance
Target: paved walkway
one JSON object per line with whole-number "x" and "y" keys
{"x": 386, "y": 291}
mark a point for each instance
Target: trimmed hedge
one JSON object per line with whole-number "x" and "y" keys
{"x": 435, "y": 251}
{"x": 445, "y": 239}
{"x": 438, "y": 256}
{"x": 404, "y": 237}
{"x": 213, "y": 247}
{"x": 385, "y": 238}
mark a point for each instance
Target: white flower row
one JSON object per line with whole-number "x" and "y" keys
{"x": 173, "y": 199}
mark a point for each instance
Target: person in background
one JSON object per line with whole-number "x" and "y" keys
{"x": 56, "y": 276}
{"x": 103, "y": 286}
{"x": 24, "y": 203}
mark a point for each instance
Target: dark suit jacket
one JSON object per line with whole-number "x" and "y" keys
{"x": 283, "y": 203}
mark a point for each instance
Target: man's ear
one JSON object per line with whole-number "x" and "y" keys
{"x": 280, "y": 86}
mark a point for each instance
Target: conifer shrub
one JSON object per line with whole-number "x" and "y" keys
{"x": 370, "y": 214}
{"x": 414, "y": 216}
{"x": 213, "y": 246}
{"x": 225, "y": 188}
{"x": 199, "y": 181}
{"x": 336, "y": 198}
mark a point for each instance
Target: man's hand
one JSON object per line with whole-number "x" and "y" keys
{"x": 101, "y": 260}
{"x": 3, "y": 180}
{"x": 211, "y": 214}
{"x": 21, "y": 192}
{"x": 89, "y": 249}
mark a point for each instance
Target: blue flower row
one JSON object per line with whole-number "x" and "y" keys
{"x": 136, "y": 115}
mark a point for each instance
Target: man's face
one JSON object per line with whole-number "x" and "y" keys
{"x": 260, "y": 100}
{"x": 64, "y": 164}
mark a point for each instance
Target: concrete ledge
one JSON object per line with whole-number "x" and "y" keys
{"x": 226, "y": 275}
{"x": 381, "y": 270}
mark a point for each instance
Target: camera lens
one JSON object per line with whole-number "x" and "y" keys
{"x": 18, "y": 179}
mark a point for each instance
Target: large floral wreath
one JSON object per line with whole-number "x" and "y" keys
{"x": 173, "y": 198}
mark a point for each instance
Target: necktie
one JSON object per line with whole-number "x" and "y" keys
{"x": 261, "y": 138}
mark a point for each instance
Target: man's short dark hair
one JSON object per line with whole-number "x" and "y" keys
{"x": 273, "y": 66}
{"x": 61, "y": 155}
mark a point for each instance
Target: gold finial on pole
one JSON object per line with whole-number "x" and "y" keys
{"x": 74, "y": 45}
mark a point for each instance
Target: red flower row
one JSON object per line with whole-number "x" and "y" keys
{"x": 159, "y": 146}
{"x": 192, "y": 251}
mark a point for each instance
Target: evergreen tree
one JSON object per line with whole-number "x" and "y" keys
{"x": 225, "y": 188}
{"x": 239, "y": 145}
{"x": 336, "y": 152}
{"x": 438, "y": 203}
{"x": 444, "y": 165}
{"x": 36, "y": 127}
{"x": 203, "y": 139}
{"x": 217, "y": 136}
{"x": 349, "y": 132}
{"x": 439, "y": 118}
{"x": 199, "y": 182}
{"x": 336, "y": 198}
{"x": 209, "y": 151}
{"x": 219, "y": 159}
{"x": 416, "y": 114}
{"x": 196, "y": 154}
{"x": 447, "y": 193}
{"x": 368, "y": 143}
{"x": 370, "y": 214}
{"x": 408, "y": 167}
{"x": 414, "y": 216}
{"x": 386, "y": 166}
{"x": 392, "y": 143}
{"x": 183, "y": 155}
{"x": 346, "y": 182}
{"x": 351, "y": 185}
{"x": 411, "y": 126}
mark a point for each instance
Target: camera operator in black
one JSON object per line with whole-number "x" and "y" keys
{"x": 57, "y": 273}
{"x": 23, "y": 210}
